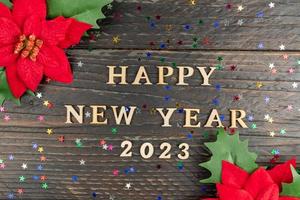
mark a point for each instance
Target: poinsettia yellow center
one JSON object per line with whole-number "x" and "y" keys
{"x": 28, "y": 46}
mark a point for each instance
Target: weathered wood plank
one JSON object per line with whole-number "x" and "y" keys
{"x": 18, "y": 134}
{"x": 261, "y": 24}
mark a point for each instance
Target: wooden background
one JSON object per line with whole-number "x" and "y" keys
{"x": 154, "y": 178}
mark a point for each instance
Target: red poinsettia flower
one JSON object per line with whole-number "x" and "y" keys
{"x": 31, "y": 46}
{"x": 237, "y": 184}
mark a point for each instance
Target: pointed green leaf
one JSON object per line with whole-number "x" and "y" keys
{"x": 5, "y": 93}
{"x": 7, "y": 3}
{"x": 292, "y": 189}
{"x": 85, "y": 11}
{"x": 230, "y": 148}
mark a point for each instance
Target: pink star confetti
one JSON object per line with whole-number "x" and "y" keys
{"x": 2, "y": 109}
{"x": 20, "y": 191}
{"x": 110, "y": 147}
{"x": 41, "y": 118}
{"x": 102, "y": 142}
{"x": 290, "y": 107}
{"x": 285, "y": 56}
{"x": 274, "y": 71}
{"x": 116, "y": 172}
{"x": 6, "y": 118}
{"x": 291, "y": 70}
{"x": 2, "y": 165}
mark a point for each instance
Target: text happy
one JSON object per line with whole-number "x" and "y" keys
{"x": 118, "y": 75}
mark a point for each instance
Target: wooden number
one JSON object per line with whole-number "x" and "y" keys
{"x": 184, "y": 147}
{"x": 166, "y": 148}
{"x": 150, "y": 150}
{"x": 127, "y": 151}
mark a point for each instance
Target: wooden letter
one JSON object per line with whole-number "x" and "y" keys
{"x": 182, "y": 75}
{"x": 162, "y": 75}
{"x": 113, "y": 75}
{"x": 205, "y": 75}
{"x": 213, "y": 117}
{"x": 97, "y": 114}
{"x": 123, "y": 114}
{"x": 166, "y": 117}
{"x": 77, "y": 115}
{"x": 141, "y": 74}
{"x": 234, "y": 118}
{"x": 191, "y": 114}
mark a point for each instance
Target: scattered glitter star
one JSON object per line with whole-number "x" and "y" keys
{"x": 272, "y": 133}
{"x": 11, "y": 157}
{"x": 80, "y": 64}
{"x": 34, "y": 146}
{"x": 271, "y": 5}
{"x": 240, "y": 8}
{"x": 6, "y": 118}
{"x": 271, "y": 65}
{"x": 22, "y": 178}
{"x": 61, "y": 138}
{"x": 46, "y": 103}
{"x": 128, "y": 186}
{"x": 259, "y": 85}
{"x": 116, "y": 172}
{"x": 10, "y": 195}
{"x": 291, "y": 70}
{"x": 20, "y": 191}
{"x": 44, "y": 186}
{"x": 267, "y": 117}
{"x": 24, "y": 166}
{"x": 49, "y": 131}
{"x": 82, "y": 162}
{"x": 105, "y": 146}
{"x": 2, "y": 109}
{"x": 282, "y": 131}
{"x": 270, "y": 120}
{"x": 87, "y": 114}
{"x": 282, "y": 47}
{"x": 295, "y": 85}
{"x": 39, "y": 95}
{"x": 261, "y": 45}
{"x": 240, "y": 22}
{"x": 40, "y": 149}
{"x": 116, "y": 39}
{"x": 267, "y": 99}
{"x": 41, "y": 118}
{"x": 290, "y": 107}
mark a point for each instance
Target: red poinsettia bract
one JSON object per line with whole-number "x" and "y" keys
{"x": 31, "y": 46}
{"x": 237, "y": 184}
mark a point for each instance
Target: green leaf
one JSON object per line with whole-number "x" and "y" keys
{"x": 292, "y": 189}
{"x": 5, "y": 93}
{"x": 7, "y": 3}
{"x": 229, "y": 148}
{"x": 83, "y": 10}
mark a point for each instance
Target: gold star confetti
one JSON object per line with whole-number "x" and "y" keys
{"x": 40, "y": 149}
{"x": 169, "y": 27}
{"x": 116, "y": 39}
{"x": 259, "y": 85}
{"x": 270, "y": 120}
{"x": 272, "y": 133}
{"x": 46, "y": 103}
{"x": 193, "y": 2}
{"x": 49, "y": 131}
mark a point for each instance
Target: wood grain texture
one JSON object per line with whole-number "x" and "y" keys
{"x": 237, "y": 45}
{"x": 272, "y": 28}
